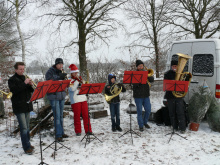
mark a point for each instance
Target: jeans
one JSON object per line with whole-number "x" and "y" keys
{"x": 57, "y": 107}
{"x": 24, "y": 120}
{"x": 115, "y": 113}
{"x": 147, "y": 107}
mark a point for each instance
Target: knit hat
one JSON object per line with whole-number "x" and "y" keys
{"x": 174, "y": 62}
{"x": 58, "y": 61}
{"x": 73, "y": 68}
{"x": 138, "y": 62}
{"x": 110, "y": 76}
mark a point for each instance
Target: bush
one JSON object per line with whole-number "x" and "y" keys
{"x": 199, "y": 104}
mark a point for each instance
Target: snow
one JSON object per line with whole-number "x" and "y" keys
{"x": 201, "y": 147}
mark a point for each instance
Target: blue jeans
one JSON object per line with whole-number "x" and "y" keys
{"x": 115, "y": 113}
{"x": 57, "y": 107}
{"x": 24, "y": 120}
{"x": 145, "y": 102}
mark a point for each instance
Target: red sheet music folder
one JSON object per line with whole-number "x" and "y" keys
{"x": 174, "y": 85}
{"x": 135, "y": 77}
{"x": 91, "y": 88}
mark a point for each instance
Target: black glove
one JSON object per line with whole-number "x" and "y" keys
{"x": 62, "y": 76}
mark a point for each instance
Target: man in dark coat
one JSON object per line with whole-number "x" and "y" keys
{"x": 114, "y": 103}
{"x": 141, "y": 93}
{"x": 21, "y": 90}
{"x": 57, "y": 99}
{"x": 176, "y": 106}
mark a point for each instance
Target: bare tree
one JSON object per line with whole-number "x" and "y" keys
{"x": 148, "y": 17}
{"x": 19, "y": 5}
{"x": 93, "y": 21}
{"x": 197, "y": 17}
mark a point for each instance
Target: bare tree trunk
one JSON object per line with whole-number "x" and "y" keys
{"x": 19, "y": 30}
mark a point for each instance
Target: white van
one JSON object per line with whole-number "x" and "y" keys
{"x": 204, "y": 65}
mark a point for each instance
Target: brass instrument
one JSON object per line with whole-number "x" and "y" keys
{"x": 182, "y": 60}
{"x": 66, "y": 77}
{"x": 79, "y": 78}
{"x": 34, "y": 85}
{"x": 115, "y": 91}
{"x": 150, "y": 73}
{"x": 8, "y": 95}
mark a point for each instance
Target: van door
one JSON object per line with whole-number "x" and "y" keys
{"x": 203, "y": 70}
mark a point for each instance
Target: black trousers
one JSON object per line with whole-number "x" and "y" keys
{"x": 177, "y": 113}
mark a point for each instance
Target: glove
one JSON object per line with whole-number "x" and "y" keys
{"x": 62, "y": 76}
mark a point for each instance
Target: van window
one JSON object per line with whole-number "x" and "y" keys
{"x": 175, "y": 58}
{"x": 203, "y": 65}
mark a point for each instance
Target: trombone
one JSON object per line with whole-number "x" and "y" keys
{"x": 8, "y": 95}
{"x": 34, "y": 84}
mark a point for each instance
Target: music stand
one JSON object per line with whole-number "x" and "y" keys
{"x": 90, "y": 89}
{"x": 40, "y": 92}
{"x": 178, "y": 86}
{"x": 57, "y": 86}
{"x": 134, "y": 77}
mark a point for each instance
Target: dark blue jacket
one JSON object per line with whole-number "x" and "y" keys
{"x": 108, "y": 88}
{"x": 55, "y": 74}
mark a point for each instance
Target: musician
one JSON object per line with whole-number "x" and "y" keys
{"x": 114, "y": 105}
{"x": 57, "y": 99}
{"x": 141, "y": 93}
{"x": 21, "y": 89}
{"x": 175, "y": 105}
{"x": 78, "y": 102}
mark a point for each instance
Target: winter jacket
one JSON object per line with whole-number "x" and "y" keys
{"x": 142, "y": 90}
{"x": 21, "y": 94}
{"x": 108, "y": 88}
{"x": 73, "y": 93}
{"x": 55, "y": 74}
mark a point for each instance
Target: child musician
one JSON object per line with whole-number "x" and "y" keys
{"x": 78, "y": 102}
{"x": 114, "y": 103}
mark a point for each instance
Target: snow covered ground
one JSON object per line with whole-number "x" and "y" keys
{"x": 202, "y": 147}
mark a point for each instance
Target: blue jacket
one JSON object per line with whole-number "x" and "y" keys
{"x": 54, "y": 74}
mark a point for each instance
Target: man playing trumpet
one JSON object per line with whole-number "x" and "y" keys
{"x": 78, "y": 102}
{"x": 21, "y": 88}
{"x": 141, "y": 93}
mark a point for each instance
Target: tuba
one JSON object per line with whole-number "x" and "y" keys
{"x": 8, "y": 95}
{"x": 115, "y": 91}
{"x": 180, "y": 75}
{"x": 150, "y": 73}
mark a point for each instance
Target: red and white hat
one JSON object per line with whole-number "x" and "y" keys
{"x": 73, "y": 68}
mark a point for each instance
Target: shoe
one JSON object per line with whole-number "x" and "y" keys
{"x": 32, "y": 147}
{"x": 147, "y": 126}
{"x": 65, "y": 136}
{"x": 119, "y": 129}
{"x": 182, "y": 132}
{"x": 78, "y": 134}
{"x": 141, "y": 129}
{"x": 60, "y": 139}
{"x": 89, "y": 133}
{"x": 29, "y": 151}
{"x": 113, "y": 130}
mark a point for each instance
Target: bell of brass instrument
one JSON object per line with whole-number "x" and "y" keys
{"x": 8, "y": 95}
{"x": 150, "y": 73}
{"x": 34, "y": 84}
{"x": 115, "y": 91}
{"x": 180, "y": 75}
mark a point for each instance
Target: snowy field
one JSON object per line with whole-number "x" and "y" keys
{"x": 152, "y": 148}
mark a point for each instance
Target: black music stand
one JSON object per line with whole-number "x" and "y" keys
{"x": 90, "y": 89}
{"x": 134, "y": 77}
{"x": 177, "y": 86}
{"x": 39, "y": 92}
{"x": 57, "y": 86}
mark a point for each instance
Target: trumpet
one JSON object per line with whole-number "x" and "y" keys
{"x": 150, "y": 73}
{"x": 66, "y": 77}
{"x": 34, "y": 85}
{"x": 8, "y": 95}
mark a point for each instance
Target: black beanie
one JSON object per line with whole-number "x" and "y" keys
{"x": 138, "y": 62}
{"x": 58, "y": 61}
{"x": 174, "y": 62}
